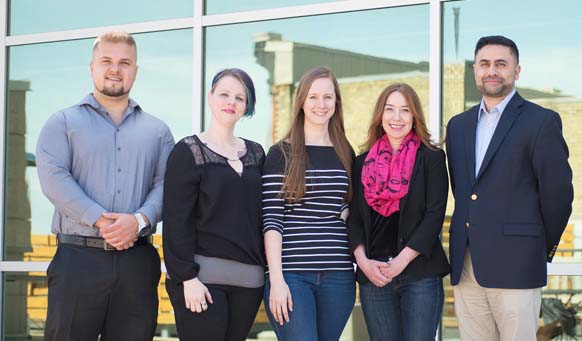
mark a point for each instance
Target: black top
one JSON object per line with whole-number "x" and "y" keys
{"x": 421, "y": 215}
{"x": 209, "y": 209}
{"x": 384, "y": 237}
{"x": 314, "y": 236}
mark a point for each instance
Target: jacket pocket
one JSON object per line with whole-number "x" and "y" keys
{"x": 523, "y": 229}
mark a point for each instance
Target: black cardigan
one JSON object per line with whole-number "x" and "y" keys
{"x": 422, "y": 213}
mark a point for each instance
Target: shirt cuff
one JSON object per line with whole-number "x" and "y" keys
{"x": 272, "y": 227}
{"x": 151, "y": 213}
{"x": 92, "y": 214}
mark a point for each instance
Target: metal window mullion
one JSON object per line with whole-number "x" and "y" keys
{"x": 197, "y": 67}
{"x": 3, "y": 114}
{"x": 83, "y": 33}
{"x": 304, "y": 10}
{"x": 435, "y": 70}
{"x": 554, "y": 269}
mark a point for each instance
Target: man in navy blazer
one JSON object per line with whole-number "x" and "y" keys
{"x": 512, "y": 184}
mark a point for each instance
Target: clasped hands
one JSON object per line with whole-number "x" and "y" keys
{"x": 118, "y": 229}
{"x": 381, "y": 273}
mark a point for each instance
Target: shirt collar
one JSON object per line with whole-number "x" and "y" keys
{"x": 92, "y": 102}
{"x": 500, "y": 107}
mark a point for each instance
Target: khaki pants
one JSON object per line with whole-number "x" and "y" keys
{"x": 490, "y": 314}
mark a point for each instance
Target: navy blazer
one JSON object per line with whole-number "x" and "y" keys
{"x": 422, "y": 211}
{"x": 513, "y": 213}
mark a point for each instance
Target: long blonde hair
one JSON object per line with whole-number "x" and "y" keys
{"x": 296, "y": 160}
{"x": 375, "y": 131}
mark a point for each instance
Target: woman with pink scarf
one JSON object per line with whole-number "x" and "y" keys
{"x": 400, "y": 194}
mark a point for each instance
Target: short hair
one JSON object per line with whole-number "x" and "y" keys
{"x": 114, "y": 37}
{"x": 498, "y": 40}
{"x": 247, "y": 83}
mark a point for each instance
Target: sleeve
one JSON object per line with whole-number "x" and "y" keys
{"x": 355, "y": 224}
{"x": 273, "y": 203}
{"x": 181, "y": 190}
{"x": 427, "y": 232}
{"x": 554, "y": 180}
{"x": 260, "y": 155}
{"x": 53, "y": 164}
{"x": 152, "y": 206}
{"x": 353, "y": 155}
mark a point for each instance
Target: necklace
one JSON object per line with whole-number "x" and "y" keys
{"x": 239, "y": 153}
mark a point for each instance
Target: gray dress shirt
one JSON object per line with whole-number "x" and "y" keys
{"x": 486, "y": 124}
{"x": 88, "y": 165}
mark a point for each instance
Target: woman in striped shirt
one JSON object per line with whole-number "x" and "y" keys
{"x": 310, "y": 287}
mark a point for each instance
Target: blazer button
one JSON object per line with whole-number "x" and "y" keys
{"x": 473, "y": 196}
{"x": 467, "y": 225}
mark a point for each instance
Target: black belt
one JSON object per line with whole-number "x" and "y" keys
{"x": 95, "y": 242}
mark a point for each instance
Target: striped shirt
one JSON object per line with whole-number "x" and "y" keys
{"x": 314, "y": 236}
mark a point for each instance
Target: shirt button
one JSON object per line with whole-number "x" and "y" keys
{"x": 118, "y": 148}
{"x": 117, "y": 129}
{"x": 118, "y": 191}
{"x": 473, "y": 197}
{"x": 119, "y": 170}
{"x": 467, "y": 225}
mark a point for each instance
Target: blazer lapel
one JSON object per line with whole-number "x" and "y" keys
{"x": 470, "y": 136}
{"x": 508, "y": 116}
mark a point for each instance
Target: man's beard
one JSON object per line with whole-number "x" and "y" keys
{"x": 113, "y": 92}
{"x": 497, "y": 91}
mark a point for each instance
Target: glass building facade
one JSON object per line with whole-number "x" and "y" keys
{"x": 45, "y": 49}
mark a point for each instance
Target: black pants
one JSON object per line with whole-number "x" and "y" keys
{"x": 229, "y": 318}
{"x": 112, "y": 294}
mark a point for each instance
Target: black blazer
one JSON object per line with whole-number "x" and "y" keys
{"x": 422, "y": 212}
{"x": 514, "y": 211}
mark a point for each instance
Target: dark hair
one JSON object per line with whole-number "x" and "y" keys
{"x": 375, "y": 131}
{"x": 498, "y": 40}
{"x": 247, "y": 83}
{"x": 296, "y": 156}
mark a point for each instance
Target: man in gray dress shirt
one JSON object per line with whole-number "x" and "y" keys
{"x": 101, "y": 162}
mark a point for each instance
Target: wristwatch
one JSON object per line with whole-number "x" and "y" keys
{"x": 142, "y": 227}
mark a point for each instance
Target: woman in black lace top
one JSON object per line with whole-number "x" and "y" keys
{"x": 212, "y": 220}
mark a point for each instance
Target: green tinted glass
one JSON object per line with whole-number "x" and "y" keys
{"x": 35, "y": 16}
{"x": 228, "y": 6}
{"x": 377, "y": 48}
{"x": 45, "y": 78}
{"x": 548, "y": 37}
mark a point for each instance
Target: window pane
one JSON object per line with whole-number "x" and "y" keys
{"x": 550, "y": 46}
{"x": 228, "y": 6}
{"x": 26, "y": 301}
{"x": 378, "y": 48}
{"x": 34, "y": 16}
{"x": 561, "y": 298}
{"x": 45, "y": 78}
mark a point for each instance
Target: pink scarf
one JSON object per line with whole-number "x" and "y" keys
{"x": 386, "y": 175}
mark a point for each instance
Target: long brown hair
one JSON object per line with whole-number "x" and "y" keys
{"x": 418, "y": 124}
{"x": 296, "y": 160}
